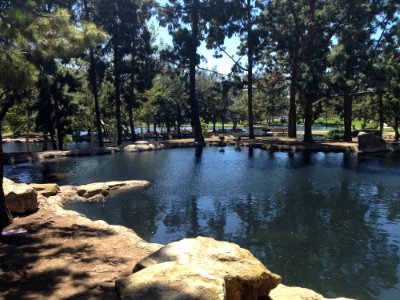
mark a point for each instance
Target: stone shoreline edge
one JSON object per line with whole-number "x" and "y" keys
{"x": 269, "y": 144}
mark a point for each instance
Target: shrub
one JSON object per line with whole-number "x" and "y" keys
{"x": 335, "y": 134}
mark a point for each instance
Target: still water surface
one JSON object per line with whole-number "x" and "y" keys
{"x": 330, "y": 222}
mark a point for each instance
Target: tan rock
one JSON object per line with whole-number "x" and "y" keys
{"x": 169, "y": 280}
{"x": 20, "y": 197}
{"x": 283, "y": 292}
{"x": 143, "y": 146}
{"x": 97, "y": 191}
{"x": 245, "y": 276}
{"x": 46, "y": 189}
{"x": 92, "y": 189}
{"x": 142, "y": 143}
{"x": 127, "y": 184}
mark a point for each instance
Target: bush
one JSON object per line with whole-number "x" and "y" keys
{"x": 335, "y": 134}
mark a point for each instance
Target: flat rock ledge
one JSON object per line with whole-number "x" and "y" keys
{"x": 22, "y": 198}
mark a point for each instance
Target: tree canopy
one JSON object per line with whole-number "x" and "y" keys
{"x": 97, "y": 65}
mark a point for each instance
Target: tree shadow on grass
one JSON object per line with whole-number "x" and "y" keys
{"x": 48, "y": 258}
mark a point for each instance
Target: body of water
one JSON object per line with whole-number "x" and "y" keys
{"x": 325, "y": 221}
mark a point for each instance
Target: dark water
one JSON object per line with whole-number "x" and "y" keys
{"x": 330, "y": 222}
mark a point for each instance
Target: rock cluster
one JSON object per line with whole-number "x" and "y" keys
{"x": 199, "y": 268}
{"x": 144, "y": 146}
{"x": 22, "y": 198}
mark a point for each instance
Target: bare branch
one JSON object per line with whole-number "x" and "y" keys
{"x": 235, "y": 61}
{"x": 213, "y": 71}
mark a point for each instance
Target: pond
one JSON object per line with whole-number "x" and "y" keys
{"x": 325, "y": 221}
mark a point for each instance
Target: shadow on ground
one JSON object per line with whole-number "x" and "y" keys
{"x": 58, "y": 262}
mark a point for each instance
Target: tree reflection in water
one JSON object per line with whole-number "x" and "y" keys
{"x": 329, "y": 222}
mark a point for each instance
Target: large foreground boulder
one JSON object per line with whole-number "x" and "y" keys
{"x": 20, "y": 197}
{"x": 170, "y": 280}
{"x": 232, "y": 269}
{"x": 371, "y": 142}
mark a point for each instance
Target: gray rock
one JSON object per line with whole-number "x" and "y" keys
{"x": 370, "y": 142}
{"x": 20, "y": 197}
{"x": 243, "y": 275}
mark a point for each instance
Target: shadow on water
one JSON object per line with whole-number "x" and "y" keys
{"x": 326, "y": 221}
{"x": 198, "y": 154}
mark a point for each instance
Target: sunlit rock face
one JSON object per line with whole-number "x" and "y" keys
{"x": 46, "y": 189}
{"x": 20, "y": 197}
{"x": 192, "y": 266}
{"x": 143, "y": 146}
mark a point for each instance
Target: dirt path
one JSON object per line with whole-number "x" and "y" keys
{"x": 65, "y": 256}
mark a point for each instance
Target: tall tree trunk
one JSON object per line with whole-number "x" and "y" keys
{"x": 94, "y": 84}
{"x": 198, "y": 135}
{"x": 348, "y": 111}
{"x": 131, "y": 122}
{"x": 310, "y": 94}
{"x": 308, "y": 113}
{"x": 117, "y": 87}
{"x": 380, "y": 112}
{"x": 132, "y": 88}
{"x": 396, "y": 129}
{"x": 53, "y": 139}
{"x": 5, "y": 214}
{"x": 178, "y": 119}
{"x": 28, "y": 127}
{"x": 292, "y": 118}
{"x": 57, "y": 115}
{"x": 45, "y": 141}
{"x": 348, "y": 100}
{"x": 250, "y": 71}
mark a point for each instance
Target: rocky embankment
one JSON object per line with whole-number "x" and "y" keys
{"x": 367, "y": 143}
{"x": 196, "y": 268}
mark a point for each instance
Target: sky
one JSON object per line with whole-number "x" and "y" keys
{"x": 222, "y": 65}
